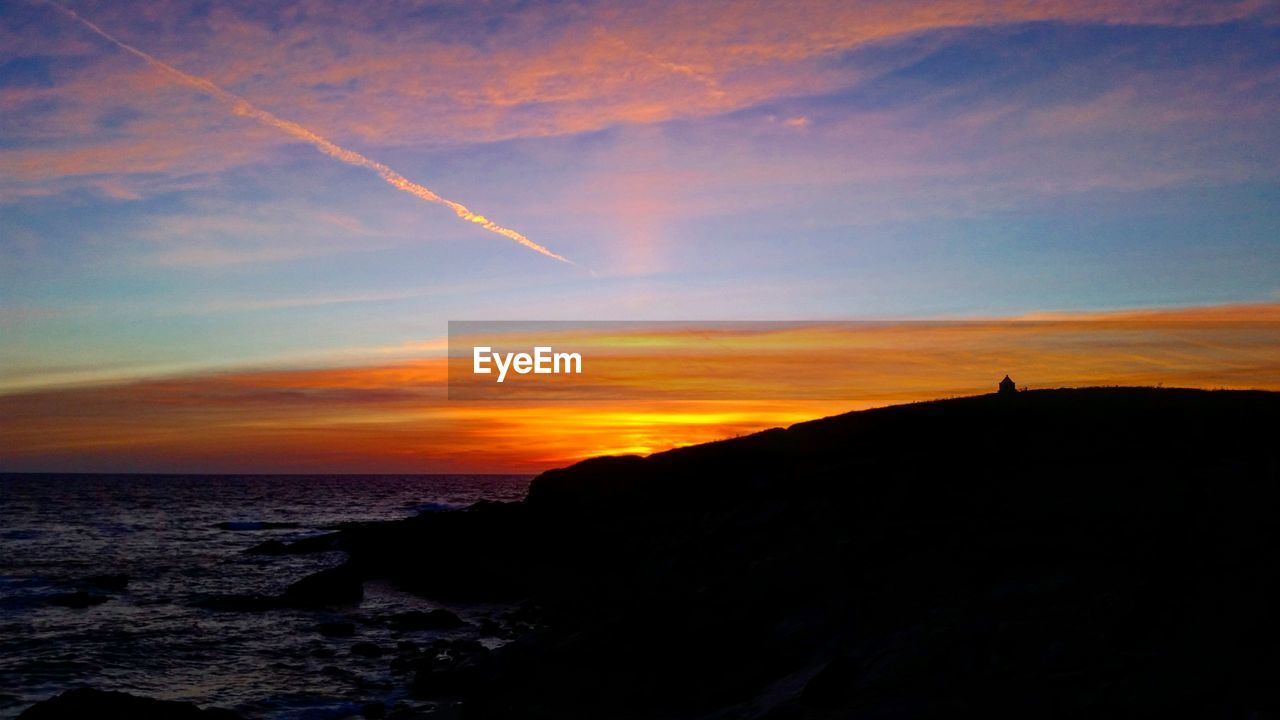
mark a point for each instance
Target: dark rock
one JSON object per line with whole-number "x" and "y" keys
{"x": 447, "y": 680}
{"x": 83, "y": 703}
{"x": 403, "y": 711}
{"x": 367, "y": 649}
{"x": 833, "y": 686}
{"x": 453, "y": 672}
{"x": 268, "y": 547}
{"x": 337, "y": 629}
{"x": 316, "y": 543}
{"x": 1082, "y": 553}
{"x": 439, "y": 619}
{"x": 465, "y": 646}
{"x": 112, "y": 582}
{"x": 526, "y": 612}
{"x": 79, "y": 599}
{"x": 334, "y": 587}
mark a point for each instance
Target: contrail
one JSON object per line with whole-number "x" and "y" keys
{"x": 244, "y": 108}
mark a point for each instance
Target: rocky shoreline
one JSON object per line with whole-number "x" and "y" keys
{"x": 1048, "y": 554}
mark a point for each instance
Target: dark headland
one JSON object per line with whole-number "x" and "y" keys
{"x": 1060, "y": 553}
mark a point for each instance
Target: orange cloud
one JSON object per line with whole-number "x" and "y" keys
{"x": 396, "y": 418}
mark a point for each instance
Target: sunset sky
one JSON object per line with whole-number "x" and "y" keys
{"x": 187, "y": 286}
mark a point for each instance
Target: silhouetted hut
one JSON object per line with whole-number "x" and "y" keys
{"x": 1007, "y": 386}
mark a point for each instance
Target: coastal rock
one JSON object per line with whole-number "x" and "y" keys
{"x": 316, "y": 543}
{"x": 448, "y": 678}
{"x": 453, "y": 670}
{"x": 268, "y": 547}
{"x": 302, "y": 546}
{"x": 833, "y": 686}
{"x": 438, "y": 619}
{"x": 337, "y": 586}
{"x": 84, "y": 703}
{"x": 1081, "y": 553}
{"x": 461, "y": 647}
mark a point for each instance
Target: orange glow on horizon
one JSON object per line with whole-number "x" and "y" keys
{"x": 396, "y": 418}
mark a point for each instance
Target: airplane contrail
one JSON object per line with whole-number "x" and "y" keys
{"x": 244, "y": 108}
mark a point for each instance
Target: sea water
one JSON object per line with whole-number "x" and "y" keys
{"x": 181, "y": 538}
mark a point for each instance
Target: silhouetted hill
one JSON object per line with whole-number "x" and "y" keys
{"x": 1128, "y": 425}
{"x": 1058, "y": 553}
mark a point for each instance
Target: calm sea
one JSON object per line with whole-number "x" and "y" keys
{"x": 181, "y": 538}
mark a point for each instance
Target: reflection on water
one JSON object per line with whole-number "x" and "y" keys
{"x": 181, "y": 538}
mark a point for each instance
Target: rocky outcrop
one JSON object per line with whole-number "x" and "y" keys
{"x": 438, "y": 619}
{"x": 314, "y": 544}
{"x": 337, "y": 586}
{"x": 334, "y": 587}
{"x": 1048, "y": 554}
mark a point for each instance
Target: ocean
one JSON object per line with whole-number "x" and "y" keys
{"x": 179, "y": 539}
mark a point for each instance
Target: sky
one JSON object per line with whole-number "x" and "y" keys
{"x": 185, "y": 285}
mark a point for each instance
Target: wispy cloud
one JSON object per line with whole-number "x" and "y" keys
{"x": 355, "y": 73}
{"x": 215, "y": 234}
{"x": 242, "y": 107}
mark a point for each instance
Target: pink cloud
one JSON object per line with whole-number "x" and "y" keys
{"x": 361, "y": 76}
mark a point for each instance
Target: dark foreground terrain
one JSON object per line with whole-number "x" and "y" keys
{"x": 1066, "y": 553}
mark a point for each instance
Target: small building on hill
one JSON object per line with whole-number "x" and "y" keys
{"x": 1007, "y": 386}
